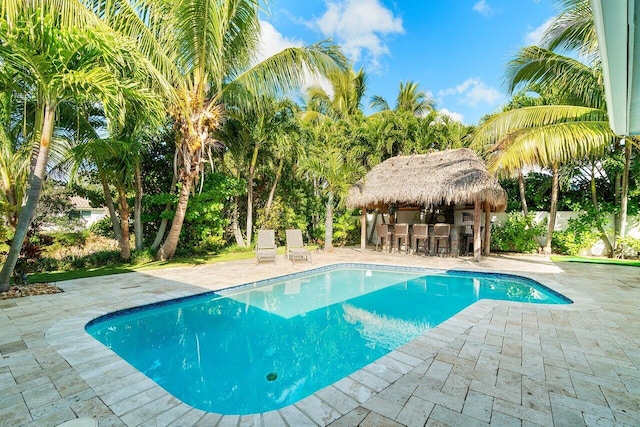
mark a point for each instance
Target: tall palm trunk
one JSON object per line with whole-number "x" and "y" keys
{"x": 553, "y": 209}
{"x": 108, "y": 200}
{"x": 165, "y": 221}
{"x": 235, "y": 225}
{"x": 272, "y": 192}
{"x": 523, "y": 197}
{"x": 328, "y": 224}
{"x": 168, "y": 249}
{"x": 137, "y": 208}
{"x": 624, "y": 190}
{"x": 123, "y": 207}
{"x": 596, "y": 210}
{"x": 252, "y": 171}
{"x": 36, "y": 179}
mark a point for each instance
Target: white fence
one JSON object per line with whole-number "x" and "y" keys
{"x": 562, "y": 223}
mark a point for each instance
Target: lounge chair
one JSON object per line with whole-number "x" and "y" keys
{"x": 295, "y": 246}
{"x": 266, "y": 247}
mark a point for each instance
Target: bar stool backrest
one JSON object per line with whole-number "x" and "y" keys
{"x": 401, "y": 230}
{"x": 441, "y": 230}
{"x": 420, "y": 230}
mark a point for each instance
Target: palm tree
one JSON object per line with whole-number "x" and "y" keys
{"x": 552, "y": 134}
{"x": 348, "y": 87}
{"x": 207, "y": 49}
{"x": 574, "y": 30}
{"x": 60, "y": 53}
{"x": 335, "y": 172}
{"x": 409, "y": 99}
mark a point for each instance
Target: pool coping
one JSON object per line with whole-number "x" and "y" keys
{"x": 69, "y": 338}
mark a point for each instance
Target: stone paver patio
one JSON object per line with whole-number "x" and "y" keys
{"x": 495, "y": 363}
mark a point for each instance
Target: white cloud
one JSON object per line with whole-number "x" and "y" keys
{"x": 472, "y": 92}
{"x": 272, "y": 41}
{"x": 483, "y": 8}
{"x": 360, "y": 27}
{"x": 452, "y": 114}
{"x": 534, "y": 37}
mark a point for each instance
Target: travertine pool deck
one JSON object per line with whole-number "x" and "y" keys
{"x": 495, "y": 363}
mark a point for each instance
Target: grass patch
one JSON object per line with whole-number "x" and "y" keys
{"x": 596, "y": 260}
{"x": 59, "y": 276}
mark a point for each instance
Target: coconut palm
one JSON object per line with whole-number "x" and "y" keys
{"x": 548, "y": 135}
{"x": 334, "y": 171}
{"x": 409, "y": 99}
{"x": 574, "y": 30}
{"x": 60, "y": 52}
{"x": 212, "y": 46}
{"x": 345, "y": 102}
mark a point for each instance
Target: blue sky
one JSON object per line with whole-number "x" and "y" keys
{"x": 455, "y": 49}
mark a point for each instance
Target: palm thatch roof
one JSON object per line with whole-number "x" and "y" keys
{"x": 452, "y": 176}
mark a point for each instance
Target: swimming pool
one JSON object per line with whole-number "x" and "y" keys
{"x": 266, "y": 345}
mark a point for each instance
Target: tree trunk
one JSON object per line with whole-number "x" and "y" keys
{"x": 363, "y": 229}
{"x": 477, "y": 238}
{"x": 267, "y": 208}
{"x": 168, "y": 249}
{"x": 624, "y": 191}
{"x": 137, "y": 209}
{"x": 553, "y": 209}
{"x": 252, "y": 171}
{"x": 123, "y": 207}
{"x": 487, "y": 228}
{"x": 373, "y": 227}
{"x": 328, "y": 224}
{"x": 108, "y": 200}
{"x": 596, "y": 210}
{"x": 165, "y": 221}
{"x": 36, "y": 178}
{"x": 235, "y": 225}
{"x": 523, "y": 197}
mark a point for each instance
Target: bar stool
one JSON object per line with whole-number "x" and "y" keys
{"x": 402, "y": 233}
{"x": 382, "y": 231}
{"x": 419, "y": 233}
{"x": 441, "y": 233}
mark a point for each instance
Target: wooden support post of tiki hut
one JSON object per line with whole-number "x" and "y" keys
{"x": 477, "y": 239}
{"x": 363, "y": 229}
{"x": 487, "y": 228}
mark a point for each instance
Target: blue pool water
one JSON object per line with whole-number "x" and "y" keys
{"x": 267, "y": 345}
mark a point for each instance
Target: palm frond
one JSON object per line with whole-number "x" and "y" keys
{"x": 573, "y": 30}
{"x": 550, "y": 144}
{"x": 504, "y": 124}
{"x": 378, "y": 103}
{"x": 556, "y": 73}
{"x": 285, "y": 72}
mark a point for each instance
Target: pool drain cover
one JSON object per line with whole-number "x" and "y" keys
{"x": 272, "y": 376}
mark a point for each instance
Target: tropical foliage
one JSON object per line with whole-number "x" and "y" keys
{"x": 162, "y": 112}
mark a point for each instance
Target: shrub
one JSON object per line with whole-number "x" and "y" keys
{"x": 70, "y": 239}
{"x": 580, "y": 234}
{"x": 141, "y": 257}
{"x": 103, "y": 227}
{"x": 281, "y": 218}
{"x": 517, "y": 234}
{"x": 628, "y": 246}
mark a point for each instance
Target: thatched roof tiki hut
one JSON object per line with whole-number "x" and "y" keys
{"x": 442, "y": 178}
